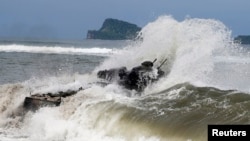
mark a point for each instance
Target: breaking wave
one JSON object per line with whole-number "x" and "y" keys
{"x": 55, "y": 50}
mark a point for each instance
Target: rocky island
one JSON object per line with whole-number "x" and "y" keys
{"x": 113, "y": 29}
{"x": 243, "y": 39}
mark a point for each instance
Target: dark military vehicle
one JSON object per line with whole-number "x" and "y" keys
{"x": 136, "y": 79}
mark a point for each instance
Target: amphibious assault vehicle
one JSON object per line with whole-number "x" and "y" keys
{"x": 136, "y": 79}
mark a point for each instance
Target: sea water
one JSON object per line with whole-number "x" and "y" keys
{"x": 207, "y": 82}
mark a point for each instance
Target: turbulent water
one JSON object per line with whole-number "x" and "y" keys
{"x": 207, "y": 82}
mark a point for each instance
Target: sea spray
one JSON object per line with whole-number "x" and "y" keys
{"x": 11, "y": 99}
{"x": 190, "y": 47}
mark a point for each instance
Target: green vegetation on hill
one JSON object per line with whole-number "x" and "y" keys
{"x": 113, "y": 29}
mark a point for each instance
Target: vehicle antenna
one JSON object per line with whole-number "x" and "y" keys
{"x": 162, "y": 63}
{"x": 154, "y": 60}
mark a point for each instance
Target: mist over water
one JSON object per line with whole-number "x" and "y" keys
{"x": 206, "y": 83}
{"x": 198, "y": 50}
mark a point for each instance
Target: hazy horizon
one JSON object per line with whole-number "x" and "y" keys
{"x": 70, "y": 20}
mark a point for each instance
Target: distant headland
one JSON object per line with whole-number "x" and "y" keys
{"x": 113, "y": 29}
{"x": 243, "y": 39}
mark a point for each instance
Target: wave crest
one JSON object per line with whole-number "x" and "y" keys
{"x": 55, "y": 50}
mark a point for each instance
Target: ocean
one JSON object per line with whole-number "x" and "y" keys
{"x": 207, "y": 82}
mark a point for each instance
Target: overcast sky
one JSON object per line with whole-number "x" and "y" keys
{"x": 70, "y": 19}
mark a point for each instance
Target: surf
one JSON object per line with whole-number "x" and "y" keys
{"x": 55, "y": 50}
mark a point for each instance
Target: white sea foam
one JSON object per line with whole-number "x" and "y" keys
{"x": 55, "y": 50}
{"x": 192, "y": 47}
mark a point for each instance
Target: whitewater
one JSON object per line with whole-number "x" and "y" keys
{"x": 207, "y": 82}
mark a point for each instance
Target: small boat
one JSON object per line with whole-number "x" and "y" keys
{"x": 36, "y": 101}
